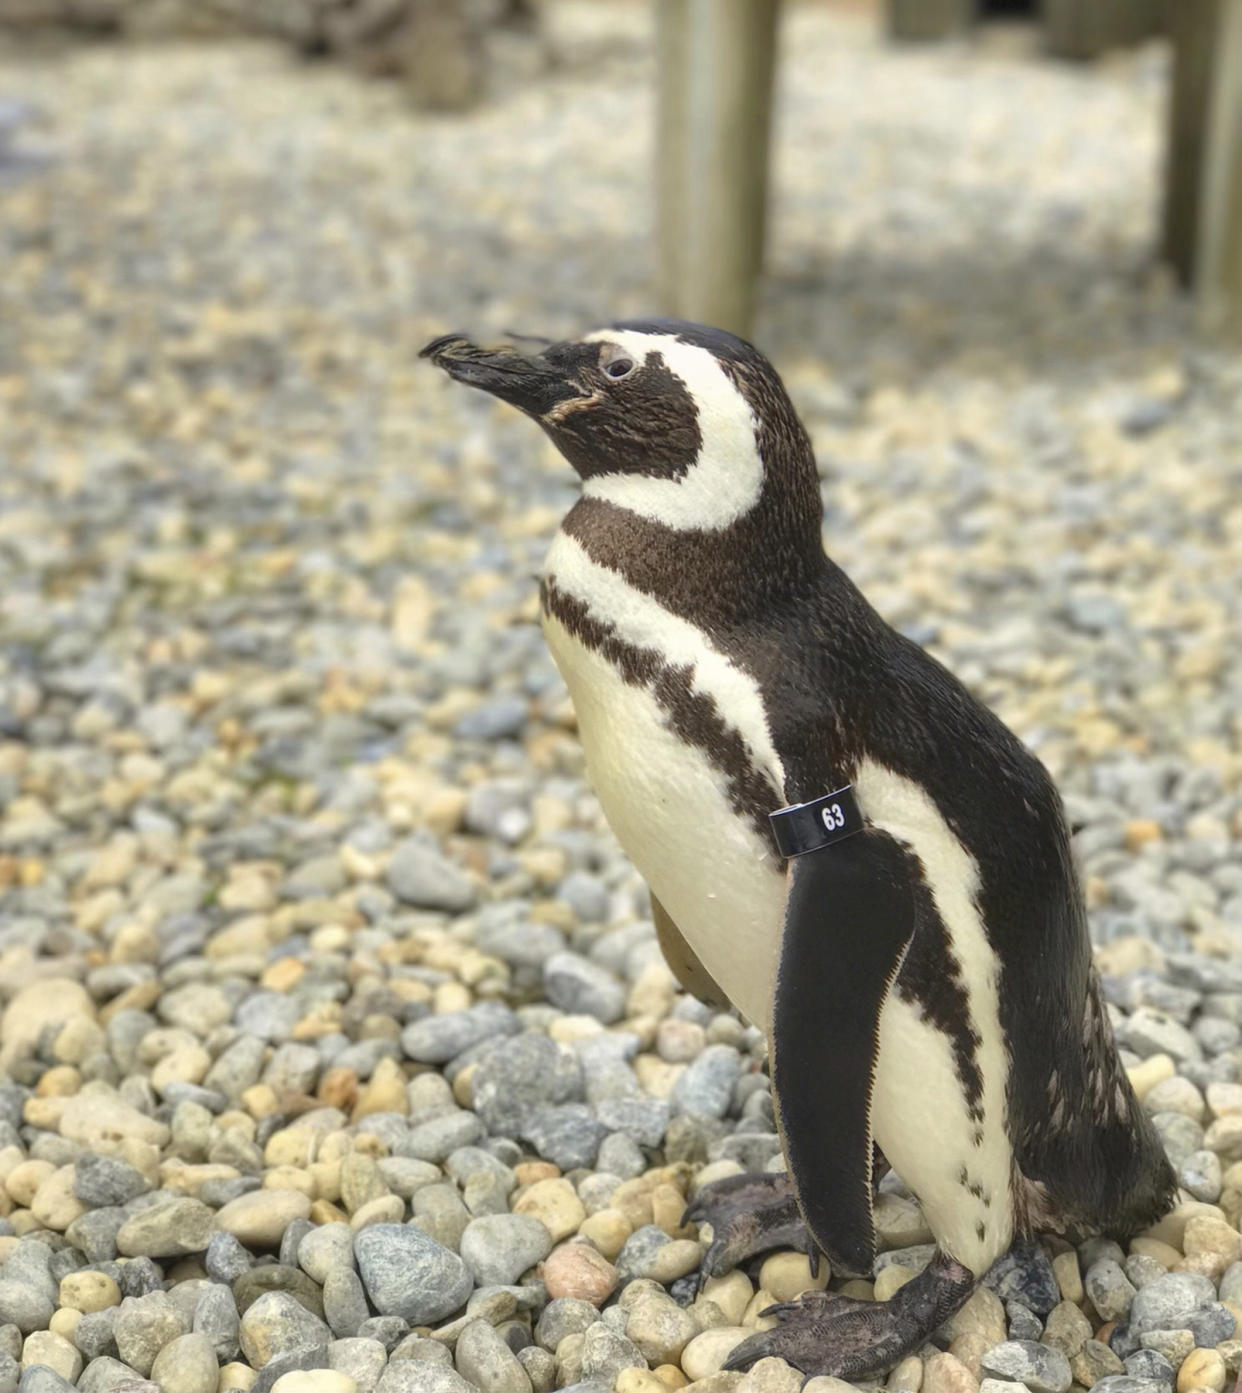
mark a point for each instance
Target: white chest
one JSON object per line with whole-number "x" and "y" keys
{"x": 670, "y": 809}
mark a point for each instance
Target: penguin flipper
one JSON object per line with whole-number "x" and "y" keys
{"x": 849, "y": 919}
{"x": 684, "y": 961}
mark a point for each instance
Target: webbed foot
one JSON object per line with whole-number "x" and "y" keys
{"x": 749, "y": 1214}
{"x": 823, "y": 1332}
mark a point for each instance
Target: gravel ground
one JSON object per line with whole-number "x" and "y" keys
{"x": 339, "y": 1052}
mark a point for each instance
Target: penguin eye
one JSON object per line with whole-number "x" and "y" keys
{"x": 619, "y": 367}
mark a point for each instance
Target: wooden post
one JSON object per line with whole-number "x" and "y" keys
{"x": 929, "y": 19}
{"x": 1203, "y": 174}
{"x": 716, "y": 65}
{"x": 1086, "y": 28}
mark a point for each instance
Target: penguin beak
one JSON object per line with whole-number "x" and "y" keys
{"x": 529, "y": 382}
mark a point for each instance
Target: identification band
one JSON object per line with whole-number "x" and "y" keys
{"x": 806, "y": 827}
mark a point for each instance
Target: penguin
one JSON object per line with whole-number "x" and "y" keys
{"x": 839, "y": 840}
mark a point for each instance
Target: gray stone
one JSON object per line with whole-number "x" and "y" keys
{"x": 485, "y": 1360}
{"x": 605, "y": 1352}
{"x": 581, "y": 987}
{"x": 566, "y": 1315}
{"x": 290, "y": 1361}
{"x": 94, "y": 1334}
{"x": 568, "y": 1135}
{"x": 417, "y": 1376}
{"x": 344, "y": 1302}
{"x": 420, "y": 875}
{"x": 1042, "y": 1369}
{"x": 437, "y": 1039}
{"x": 1150, "y": 1364}
{"x": 104, "y": 1181}
{"x": 706, "y": 1087}
{"x": 437, "y": 1138}
{"x": 512, "y": 1083}
{"x": 326, "y": 1249}
{"x": 363, "y": 1360}
{"x": 1110, "y": 1290}
{"x": 226, "y": 1259}
{"x": 215, "y": 1316}
{"x": 408, "y": 1274}
{"x": 38, "y": 1378}
{"x": 498, "y": 1248}
{"x": 144, "y": 1325}
{"x": 1170, "y": 1302}
{"x": 277, "y": 1323}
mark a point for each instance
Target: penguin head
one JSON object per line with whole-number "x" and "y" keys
{"x": 682, "y": 424}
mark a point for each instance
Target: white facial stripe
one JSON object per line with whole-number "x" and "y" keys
{"x": 724, "y": 483}
{"x": 640, "y": 620}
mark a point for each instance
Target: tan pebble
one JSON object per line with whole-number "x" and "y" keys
{"x": 8, "y": 1246}
{"x": 89, "y": 1291}
{"x": 787, "y": 1275}
{"x": 732, "y": 1293}
{"x": 771, "y": 1376}
{"x": 709, "y": 1316}
{"x": 315, "y": 1381}
{"x": 983, "y": 1314}
{"x": 890, "y": 1280}
{"x": 678, "y": 1042}
{"x": 463, "y": 1085}
{"x": 326, "y": 1178}
{"x": 24, "y": 1180}
{"x": 325, "y": 1212}
{"x": 1068, "y": 1275}
{"x": 22, "y": 1222}
{"x": 291, "y": 1146}
{"x": 753, "y": 1316}
{"x": 1153, "y": 1070}
{"x": 706, "y": 1353}
{"x": 236, "y": 1378}
{"x": 555, "y": 1204}
{"x": 969, "y": 1350}
{"x": 55, "y": 1205}
{"x": 191, "y": 1360}
{"x": 907, "y": 1376}
{"x": 338, "y": 1088}
{"x": 384, "y": 1209}
{"x": 639, "y": 1381}
{"x": 714, "y": 1170}
{"x": 290, "y": 1178}
{"x": 532, "y": 1172}
{"x": 45, "y": 1347}
{"x": 64, "y": 1323}
{"x": 656, "y": 1077}
{"x": 668, "y": 1204}
{"x": 47, "y": 1002}
{"x": 607, "y": 1229}
{"x": 1205, "y": 1234}
{"x": 824, "y": 1383}
{"x": 634, "y": 1204}
{"x": 671, "y": 1376}
{"x": 451, "y": 996}
{"x": 1140, "y": 831}
{"x": 676, "y": 1258}
{"x": 59, "y": 1082}
{"x": 653, "y": 992}
{"x": 260, "y": 1101}
{"x": 259, "y": 1219}
{"x": 1202, "y": 1368}
{"x": 660, "y": 1328}
{"x": 1223, "y": 1099}
{"x": 384, "y": 1092}
{"x": 1164, "y": 1253}
{"x": 1172, "y": 1228}
{"x": 945, "y": 1373}
{"x": 576, "y": 1269}
{"x": 283, "y": 975}
{"x": 723, "y": 1381}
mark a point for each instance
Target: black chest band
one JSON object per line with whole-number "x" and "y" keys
{"x": 808, "y": 826}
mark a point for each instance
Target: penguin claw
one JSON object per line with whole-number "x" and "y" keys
{"x": 823, "y": 1332}
{"x": 749, "y": 1214}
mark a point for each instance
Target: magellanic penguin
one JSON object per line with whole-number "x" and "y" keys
{"x": 909, "y": 928}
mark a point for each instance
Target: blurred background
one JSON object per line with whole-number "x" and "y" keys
{"x": 257, "y": 559}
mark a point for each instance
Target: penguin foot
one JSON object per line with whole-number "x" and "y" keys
{"x": 749, "y": 1214}
{"x": 823, "y": 1332}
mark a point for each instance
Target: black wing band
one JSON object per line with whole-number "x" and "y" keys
{"x": 808, "y": 826}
